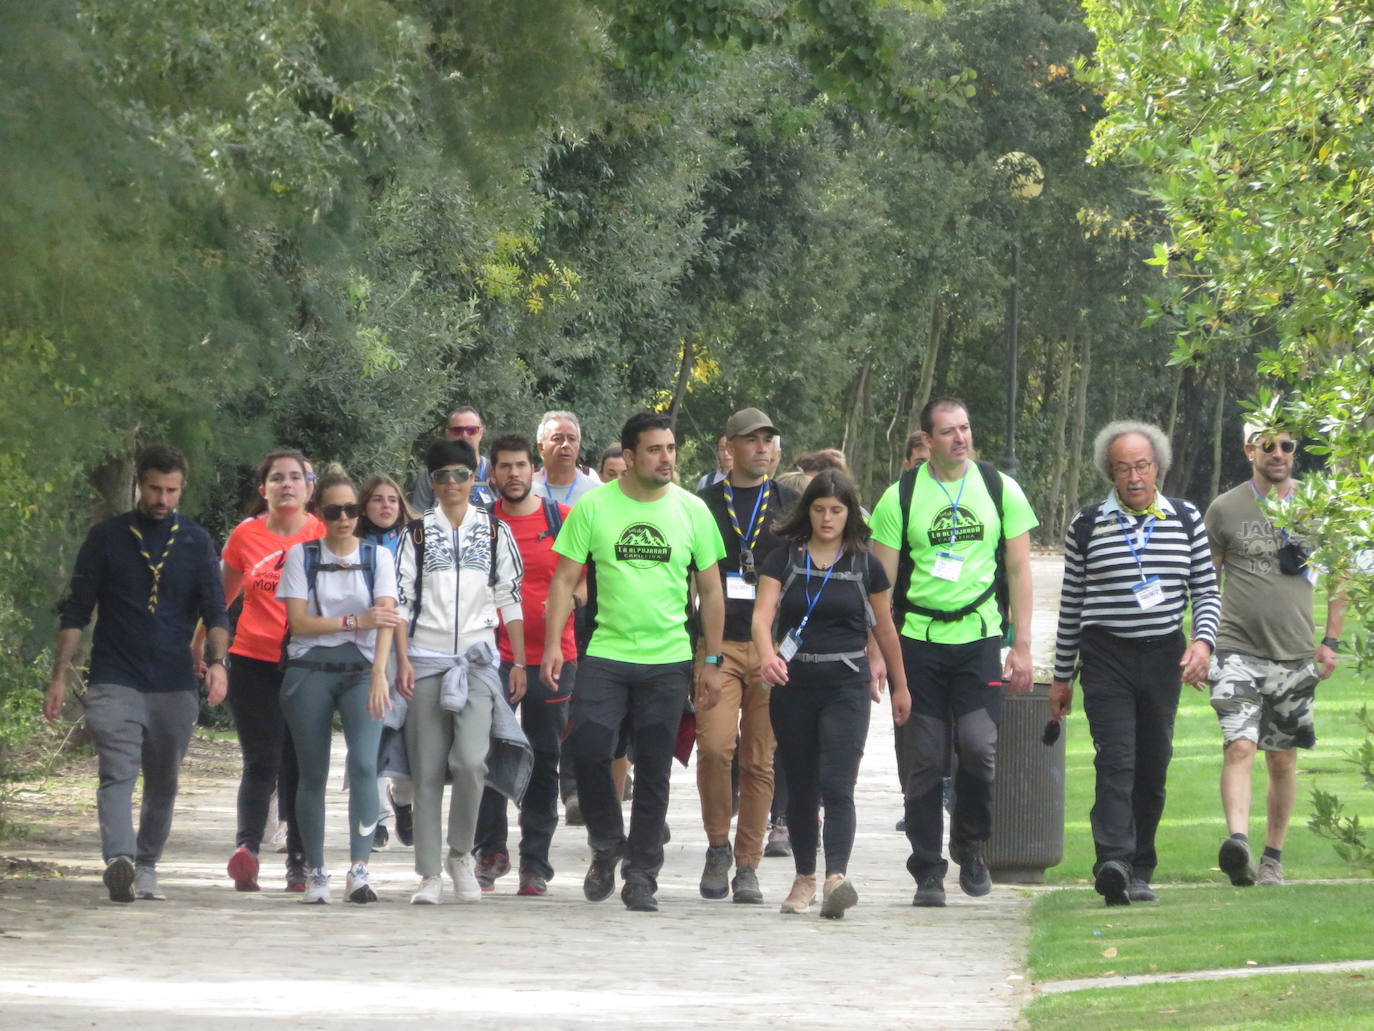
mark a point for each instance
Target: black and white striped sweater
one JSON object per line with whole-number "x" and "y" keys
{"x": 1097, "y": 585}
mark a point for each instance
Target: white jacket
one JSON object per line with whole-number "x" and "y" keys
{"x": 458, "y": 605}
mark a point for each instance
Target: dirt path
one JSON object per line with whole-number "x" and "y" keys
{"x": 210, "y": 958}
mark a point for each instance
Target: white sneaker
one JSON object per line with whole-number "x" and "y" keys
{"x": 357, "y": 888}
{"x": 463, "y": 870}
{"x": 145, "y": 884}
{"x": 431, "y": 892}
{"x": 316, "y": 887}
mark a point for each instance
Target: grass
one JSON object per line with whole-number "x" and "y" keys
{"x": 1294, "y": 1002}
{"x": 1074, "y": 935}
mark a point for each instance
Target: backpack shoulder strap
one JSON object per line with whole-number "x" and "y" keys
{"x": 1083, "y": 528}
{"x": 1185, "y": 516}
{"x": 415, "y": 529}
{"x": 992, "y": 481}
{"x": 369, "y": 564}
{"x": 494, "y": 529}
{"x": 553, "y": 519}
{"x": 906, "y": 487}
{"x": 310, "y": 551}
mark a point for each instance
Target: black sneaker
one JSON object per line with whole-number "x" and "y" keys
{"x": 600, "y": 879}
{"x": 1113, "y": 882}
{"x": 638, "y": 897}
{"x": 381, "y": 838}
{"x": 572, "y": 812}
{"x": 930, "y": 891}
{"x": 119, "y": 879}
{"x": 405, "y": 824}
{"x": 296, "y": 874}
{"x": 974, "y": 876}
{"x": 1141, "y": 891}
{"x": 1234, "y": 860}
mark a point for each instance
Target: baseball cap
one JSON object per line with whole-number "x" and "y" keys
{"x": 748, "y": 420}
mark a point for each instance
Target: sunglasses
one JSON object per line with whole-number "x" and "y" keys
{"x": 1286, "y": 446}
{"x": 333, "y": 512}
{"x": 463, "y": 431}
{"x": 459, "y": 475}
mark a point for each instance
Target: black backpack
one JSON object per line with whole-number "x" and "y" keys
{"x": 901, "y": 603}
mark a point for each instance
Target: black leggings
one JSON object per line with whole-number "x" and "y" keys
{"x": 269, "y": 757}
{"x": 820, "y": 719}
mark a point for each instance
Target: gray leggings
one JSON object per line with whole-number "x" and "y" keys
{"x": 308, "y": 700}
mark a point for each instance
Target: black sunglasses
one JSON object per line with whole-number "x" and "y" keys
{"x": 333, "y": 512}
{"x": 459, "y": 475}
{"x": 1286, "y": 446}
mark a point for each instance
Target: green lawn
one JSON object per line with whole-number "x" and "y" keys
{"x": 1293, "y": 1002}
{"x": 1201, "y": 928}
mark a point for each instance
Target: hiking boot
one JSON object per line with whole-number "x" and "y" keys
{"x": 572, "y": 811}
{"x": 491, "y": 866}
{"x": 358, "y": 888}
{"x": 296, "y": 873}
{"x": 1112, "y": 881}
{"x": 744, "y": 886}
{"x": 532, "y": 885}
{"x": 715, "y": 883}
{"x": 1270, "y": 872}
{"x": 930, "y": 891}
{"x": 779, "y": 844}
{"x": 600, "y": 879}
{"x": 837, "y": 896}
{"x": 974, "y": 877}
{"x": 1235, "y": 863}
{"x": 381, "y": 839}
{"x": 243, "y": 868}
{"x": 430, "y": 893}
{"x": 801, "y": 896}
{"x": 119, "y": 879}
{"x": 316, "y": 889}
{"x": 405, "y": 824}
{"x": 638, "y": 897}
{"x": 463, "y": 870}
{"x": 145, "y": 885}
{"x": 1141, "y": 891}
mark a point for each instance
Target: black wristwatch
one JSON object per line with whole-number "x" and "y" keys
{"x": 1334, "y": 643}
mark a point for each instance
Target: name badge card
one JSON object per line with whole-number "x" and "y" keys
{"x": 948, "y": 566}
{"x": 789, "y": 646}
{"x": 1148, "y": 593}
{"x": 737, "y": 590}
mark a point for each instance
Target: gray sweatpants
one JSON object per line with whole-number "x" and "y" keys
{"x": 133, "y": 730}
{"x": 439, "y": 743}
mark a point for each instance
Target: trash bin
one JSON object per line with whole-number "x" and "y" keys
{"x": 1028, "y": 795}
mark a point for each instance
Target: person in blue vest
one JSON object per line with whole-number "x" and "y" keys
{"x": 464, "y": 423}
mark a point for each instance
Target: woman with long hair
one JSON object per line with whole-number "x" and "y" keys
{"x": 340, "y": 598}
{"x": 818, "y": 599}
{"x": 252, "y": 562}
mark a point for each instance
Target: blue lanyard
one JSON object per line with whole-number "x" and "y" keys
{"x": 806, "y": 587}
{"x": 1149, "y": 528}
{"x": 954, "y": 503}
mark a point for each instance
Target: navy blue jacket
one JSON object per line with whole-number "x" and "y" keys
{"x": 150, "y": 651}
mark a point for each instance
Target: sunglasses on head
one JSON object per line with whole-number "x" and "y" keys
{"x": 1286, "y": 446}
{"x": 333, "y": 512}
{"x": 459, "y": 475}
{"x": 465, "y": 431}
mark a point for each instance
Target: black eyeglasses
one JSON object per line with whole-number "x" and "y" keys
{"x": 333, "y": 512}
{"x": 459, "y": 475}
{"x": 1286, "y": 446}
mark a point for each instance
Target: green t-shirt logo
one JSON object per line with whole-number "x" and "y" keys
{"x": 642, "y": 546}
{"x": 970, "y": 527}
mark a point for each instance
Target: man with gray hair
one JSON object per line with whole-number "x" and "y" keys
{"x": 1132, "y": 562}
{"x": 559, "y": 438}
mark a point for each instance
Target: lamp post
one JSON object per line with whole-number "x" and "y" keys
{"x": 1026, "y": 181}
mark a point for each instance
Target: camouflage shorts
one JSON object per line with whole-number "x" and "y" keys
{"x": 1264, "y": 701}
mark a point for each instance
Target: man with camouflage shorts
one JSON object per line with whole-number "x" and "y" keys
{"x": 1264, "y": 673}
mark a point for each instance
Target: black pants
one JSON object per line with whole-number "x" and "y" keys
{"x": 778, "y": 810}
{"x": 544, "y": 717}
{"x": 650, "y": 697}
{"x": 820, "y": 718}
{"x": 956, "y": 695}
{"x": 269, "y": 757}
{"x": 1130, "y": 696}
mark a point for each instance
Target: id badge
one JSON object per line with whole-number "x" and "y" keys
{"x": 948, "y": 566}
{"x": 737, "y": 590}
{"x": 1148, "y": 593}
{"x": 789, "y": 646}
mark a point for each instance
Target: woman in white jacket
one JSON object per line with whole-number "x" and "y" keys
{"x": 458, "y": 567}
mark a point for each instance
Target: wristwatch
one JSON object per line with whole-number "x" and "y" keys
{"x": 1334, "y": 643}
{"x": 217, "y": 661}
{"x": 714, "y": 660}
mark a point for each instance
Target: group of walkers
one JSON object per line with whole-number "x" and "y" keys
{"x": 624, "y": 616}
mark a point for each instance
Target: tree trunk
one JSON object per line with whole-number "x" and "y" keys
{"x": 1173, "y": 402}
{"x": 853, "y": 443}
{"x": 114, "y": 483}
{"x": 684, "y": 376}
{"x": 939, "y": 325}
{"x": 1063, "y": 391}
{"x": 1080, "y": 421}
{"x": 1218, "y": 430}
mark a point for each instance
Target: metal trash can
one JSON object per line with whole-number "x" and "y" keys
{"x": 1028, "y": 794}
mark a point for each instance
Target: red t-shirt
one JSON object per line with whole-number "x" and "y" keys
{"x": 259, "y": 554}
{"x": 540, "y": 561}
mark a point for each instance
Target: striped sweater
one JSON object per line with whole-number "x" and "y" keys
{"x": 1097, "y": 585}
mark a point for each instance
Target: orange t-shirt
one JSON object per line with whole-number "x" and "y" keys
{"x": 259, "y": 554}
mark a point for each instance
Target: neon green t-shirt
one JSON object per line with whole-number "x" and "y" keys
{"x": 642, "y": 550}
{"x": 975, "y": 540}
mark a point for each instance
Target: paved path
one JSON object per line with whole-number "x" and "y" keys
{"x": 212, "y": 958}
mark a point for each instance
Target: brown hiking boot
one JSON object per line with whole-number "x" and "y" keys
{"x": 801, "y": 896}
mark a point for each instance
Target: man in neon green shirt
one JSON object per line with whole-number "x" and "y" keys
{"x": 951, "y": 630}
{"x": 646, "y": 535}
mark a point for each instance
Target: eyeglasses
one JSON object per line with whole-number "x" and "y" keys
{"x": 333, "y": 512}
{"x": 1140, "y": 468}
{"x": 1286, "y": 446}
{"x": 460, "y": 475}
{"x": 463, "y": 431}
